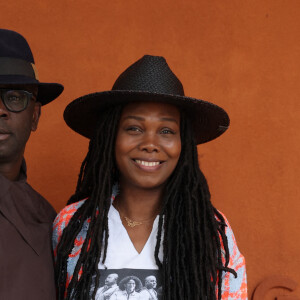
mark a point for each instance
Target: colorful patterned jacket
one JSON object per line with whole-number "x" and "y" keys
{"x": 232, "y": 288}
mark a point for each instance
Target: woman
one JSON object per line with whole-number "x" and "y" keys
{"x": 142, "y": 206}
{"x": 129, "y": 289}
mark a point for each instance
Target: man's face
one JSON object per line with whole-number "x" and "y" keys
{"x": 111, "y": 279}
{"x": 150, "y": 282}
{"x": 15, "y": 127}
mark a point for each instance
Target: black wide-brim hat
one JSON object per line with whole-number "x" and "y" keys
{"x": 17, "y": 66}
{"x": 148, "y": 80}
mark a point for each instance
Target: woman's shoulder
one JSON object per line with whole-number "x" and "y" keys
{"x": 62, "y": 220}
{"x": 67, "y": 213}
{"x": 233, "y": 287}
{"x": 232, "y": 245}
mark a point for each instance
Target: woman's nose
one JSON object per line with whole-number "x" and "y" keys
{"x": 150, "y": 143}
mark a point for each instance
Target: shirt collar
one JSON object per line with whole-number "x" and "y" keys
{"x": 131, "y": 294}
{"x": 31, "y": 217}
{"x": 6, "y": 183}
{"x": 23, "y": 172}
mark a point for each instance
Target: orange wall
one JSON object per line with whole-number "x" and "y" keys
{"x": 243, "y": 55}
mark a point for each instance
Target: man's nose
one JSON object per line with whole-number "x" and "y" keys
{"x": 150, "y": 143}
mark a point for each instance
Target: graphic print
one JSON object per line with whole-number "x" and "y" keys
{"x": 124, "y": 284}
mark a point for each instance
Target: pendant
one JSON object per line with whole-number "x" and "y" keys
{"x": 131, "y": 223}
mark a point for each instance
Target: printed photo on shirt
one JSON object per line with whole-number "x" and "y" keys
{"x": 124, "y": 284}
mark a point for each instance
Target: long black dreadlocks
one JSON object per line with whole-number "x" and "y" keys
{"x": 190, "y": 228}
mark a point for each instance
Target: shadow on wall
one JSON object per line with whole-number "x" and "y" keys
{"x": 272, "y": 282}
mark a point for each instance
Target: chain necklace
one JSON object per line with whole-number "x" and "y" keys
{"x": 131, "y": 223}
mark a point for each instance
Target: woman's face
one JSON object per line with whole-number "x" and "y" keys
{"x": 130, "y": 286}
{"x": 148, "y": 144}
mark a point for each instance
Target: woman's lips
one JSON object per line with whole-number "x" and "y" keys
{"x": 147, "y": 165}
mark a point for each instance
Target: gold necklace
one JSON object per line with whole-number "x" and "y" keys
{"x": 132, "y": 223}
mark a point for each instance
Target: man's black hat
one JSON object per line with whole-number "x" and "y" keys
{"x": 17, "y": 66}
{"x": 150, "y": 79}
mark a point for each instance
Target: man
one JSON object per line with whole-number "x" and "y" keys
{"x": 110, "y": 287}
{"x": 26, "y": 263}
{"x": 148, "y": 292}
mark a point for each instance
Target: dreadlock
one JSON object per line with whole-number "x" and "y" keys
{"x": 190, "y": 229}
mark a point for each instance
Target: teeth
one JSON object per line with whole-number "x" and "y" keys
{"x": 147, "y": 163}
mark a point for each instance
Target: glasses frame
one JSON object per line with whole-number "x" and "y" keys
{"x": 29, "y": 96}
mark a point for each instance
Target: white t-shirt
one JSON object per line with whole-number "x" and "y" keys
{"x": 125, "y": 261}
{"x": 121, "y": 252}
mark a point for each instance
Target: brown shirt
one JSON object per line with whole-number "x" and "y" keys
{"x": 26, "y": 264}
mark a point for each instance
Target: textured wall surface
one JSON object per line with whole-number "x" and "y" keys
{"x": 242, "y": 55}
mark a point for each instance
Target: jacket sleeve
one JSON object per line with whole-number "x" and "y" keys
{"x": 234, "y": 288}
{"x": 61, "y": 222}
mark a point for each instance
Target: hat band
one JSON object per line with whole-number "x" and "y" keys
{"x": 16, "y": 66}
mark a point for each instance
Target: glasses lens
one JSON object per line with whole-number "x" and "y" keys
{"x": 15, "y": 100}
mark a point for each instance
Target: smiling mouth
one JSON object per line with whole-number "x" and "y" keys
{"x": 147, "y": 163}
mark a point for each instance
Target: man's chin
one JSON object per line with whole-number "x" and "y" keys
{"x": 8, "y": 156}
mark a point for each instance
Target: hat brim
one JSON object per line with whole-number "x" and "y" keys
{"x": 82, "y": 115}
{"x": 47, "y": 92}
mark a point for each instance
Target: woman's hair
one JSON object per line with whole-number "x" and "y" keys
{"x": 137, "y": 281}
{"x": 190, "y": 229}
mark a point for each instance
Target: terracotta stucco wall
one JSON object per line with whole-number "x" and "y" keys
{"x": 243, "y": 55}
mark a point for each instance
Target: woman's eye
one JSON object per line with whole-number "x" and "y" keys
{"x": 133, "y": 129}
{"x": 167, "y": 131}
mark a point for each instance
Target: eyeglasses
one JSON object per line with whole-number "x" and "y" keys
{"x": 15, "y": 100}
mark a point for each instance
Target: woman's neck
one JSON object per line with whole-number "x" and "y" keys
{"x": 139, "y": 204}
